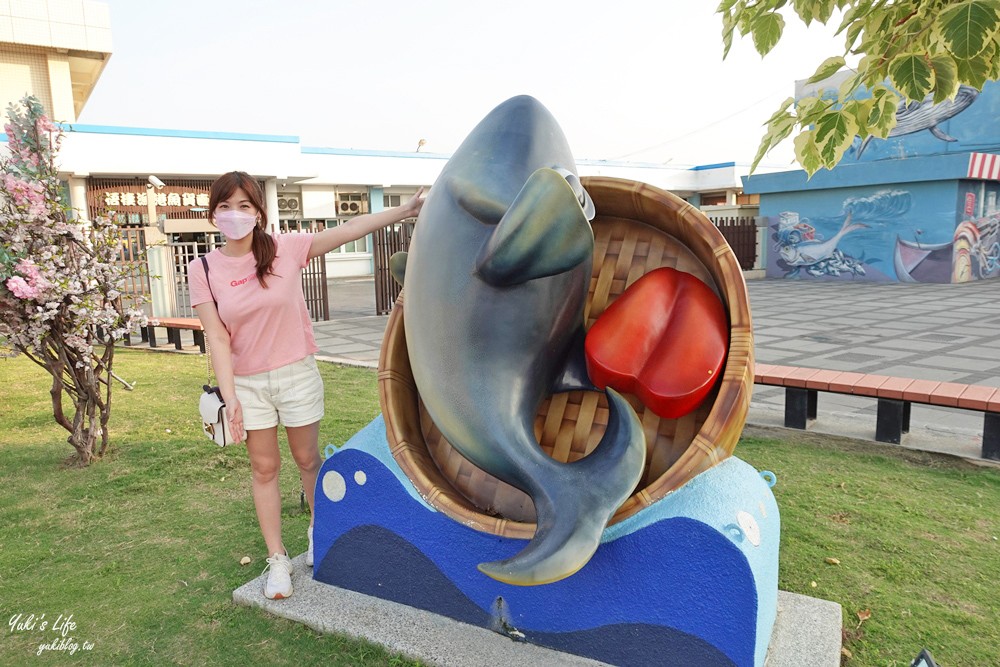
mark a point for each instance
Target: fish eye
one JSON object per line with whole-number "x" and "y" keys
{"x": 581, "y": 194}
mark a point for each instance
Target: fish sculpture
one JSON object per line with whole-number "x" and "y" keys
{"x": 495, "y": 284}
{"x": 925, "y": 115}
{"x": 806, "y": 253}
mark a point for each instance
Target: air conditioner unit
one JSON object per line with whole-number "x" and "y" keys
{"x": 352, "y": 207}
{"x": 289, "y": 203}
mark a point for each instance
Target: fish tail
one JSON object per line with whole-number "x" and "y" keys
{"x": 574, "y": 505}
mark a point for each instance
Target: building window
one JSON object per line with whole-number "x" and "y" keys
{"x": 295, "y": 225}
{"x": 713, "y": 199}
{"x": 359, "y": 246}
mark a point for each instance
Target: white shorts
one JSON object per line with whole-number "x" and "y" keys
{"x": 291, "y": 395}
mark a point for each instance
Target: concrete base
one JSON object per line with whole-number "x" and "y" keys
{"x": 806, "y": 632}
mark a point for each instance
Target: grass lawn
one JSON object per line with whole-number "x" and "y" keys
{"x": 143, "y": 548}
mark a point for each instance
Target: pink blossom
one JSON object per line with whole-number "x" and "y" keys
{"x": 28, "y": 269}
{"x": 20, "y": 288}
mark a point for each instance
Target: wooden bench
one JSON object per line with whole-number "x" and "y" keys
{"x": 174, "y": 326}
{"x": 894, "y": 396}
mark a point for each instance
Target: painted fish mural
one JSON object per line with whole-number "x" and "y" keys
{"x": 925, "y": 115}
{"x": 496, "y": 281}
{"x": 807, "y": 253}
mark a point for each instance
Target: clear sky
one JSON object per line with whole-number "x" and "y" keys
{"x": 626, "y": 79}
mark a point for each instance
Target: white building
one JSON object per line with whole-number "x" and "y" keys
{"x": 57, "y": 49}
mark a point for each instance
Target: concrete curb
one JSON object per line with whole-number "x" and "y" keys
{"x": 807, "y": 631}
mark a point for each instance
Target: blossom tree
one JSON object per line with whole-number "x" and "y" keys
{"x": 61, "y": 283}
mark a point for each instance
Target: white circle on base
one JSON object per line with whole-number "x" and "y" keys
{"x": 334, "y": 486}
{"x": 360, "y": 477}
{"x": 749, "y": 526}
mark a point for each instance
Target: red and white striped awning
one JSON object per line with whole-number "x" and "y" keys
{"x": 985, "y": 166}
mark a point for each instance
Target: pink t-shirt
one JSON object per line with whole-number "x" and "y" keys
{"x": 268, "y": 328}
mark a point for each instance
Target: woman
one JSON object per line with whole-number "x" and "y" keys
{"x": 251, "y": 304}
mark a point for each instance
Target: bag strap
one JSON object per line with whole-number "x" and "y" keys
{"x": 204, "y": 262}
{"x": 208, "y": 348}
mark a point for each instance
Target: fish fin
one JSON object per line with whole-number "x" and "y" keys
{"x": 543, "y": 233}
{"x": 940, "y": 134}
{"x": 864, "y": 144}
{"x": 575, "y": 375}
{"x": 397, "y": 266}
{"x": 476, "y": 201}
{"x": 576, "y": 504}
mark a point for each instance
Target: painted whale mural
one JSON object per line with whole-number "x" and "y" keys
{"x": 496, "y": 281}
{"x": 925, "y": 115}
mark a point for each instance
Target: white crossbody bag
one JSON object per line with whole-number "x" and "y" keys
{"x": 215, "y": 422}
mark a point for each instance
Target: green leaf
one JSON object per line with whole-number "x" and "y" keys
{"x": 975, "y": 71}
{"x": 848, "y": 89}
{"x": 832, "y": 126}
{"x": 968, "y": 26}
{"x": 945, "y": 77}
{"x": 824, "y": 10}
{"x": 849, "y": 17}
{"x": 860, "y": 111}
{"x": 806, "y": 9}
{"x": 782, "y": 110}
{"x": 882, "y": 118}
{"x": 766, "y": 31}
{"x": 834, "y": 135}
{"x": 728, "y": 25}
{"x": 911, "y": 75}
{"x": 807, "y": 152}
{"x": 827, "y": 68}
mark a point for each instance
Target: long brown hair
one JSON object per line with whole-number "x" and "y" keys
{"x": 264, "y": 249}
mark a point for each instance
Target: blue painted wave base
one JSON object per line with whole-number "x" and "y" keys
{"x": 691, "y": 580}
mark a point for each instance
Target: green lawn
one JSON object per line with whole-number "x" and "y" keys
{"x": 143, "y": 549}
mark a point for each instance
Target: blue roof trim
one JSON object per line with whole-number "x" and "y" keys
{"x": 178, "y": 134}
{"x": 944, "y": 167}
{"x": 718, "y": 165}
{"x": 361, "y": 152}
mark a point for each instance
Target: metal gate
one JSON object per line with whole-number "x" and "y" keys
{"x": 314, "y": 286}
{"x": 741, "y": 235}
{"x": 132, "y": 258}
{"x": 184, "y": 253}
{"x": 388, "y": 241}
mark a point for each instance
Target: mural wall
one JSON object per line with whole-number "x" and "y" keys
{"x": 853, "y": 233}
{"x": 919, "y": 206}
{"x": 975, "y": 250}
{"x": 964, "y": 124}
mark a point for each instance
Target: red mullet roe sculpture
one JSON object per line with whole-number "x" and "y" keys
{"x": 663, "y": 340}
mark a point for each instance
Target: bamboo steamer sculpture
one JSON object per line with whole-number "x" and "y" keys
{"x": 528, "y": 291}
{"x": 637, "y": 229}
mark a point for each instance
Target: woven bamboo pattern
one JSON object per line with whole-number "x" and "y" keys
{"x": 638, "y": 228}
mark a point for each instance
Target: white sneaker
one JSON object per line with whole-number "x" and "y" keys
{"x": 279, "y": 580}
{"x": 309, "y": 553}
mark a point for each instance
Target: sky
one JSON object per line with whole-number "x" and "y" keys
{"x": 632, "y": 80}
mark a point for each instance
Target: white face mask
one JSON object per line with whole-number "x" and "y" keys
{"x": 235, "y": 224}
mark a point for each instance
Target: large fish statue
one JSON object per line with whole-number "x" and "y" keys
{"x": 496, "y": 281}
{"x": 925, "y": 115}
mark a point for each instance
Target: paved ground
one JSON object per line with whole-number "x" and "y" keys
{"x": 936, "y": 332}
